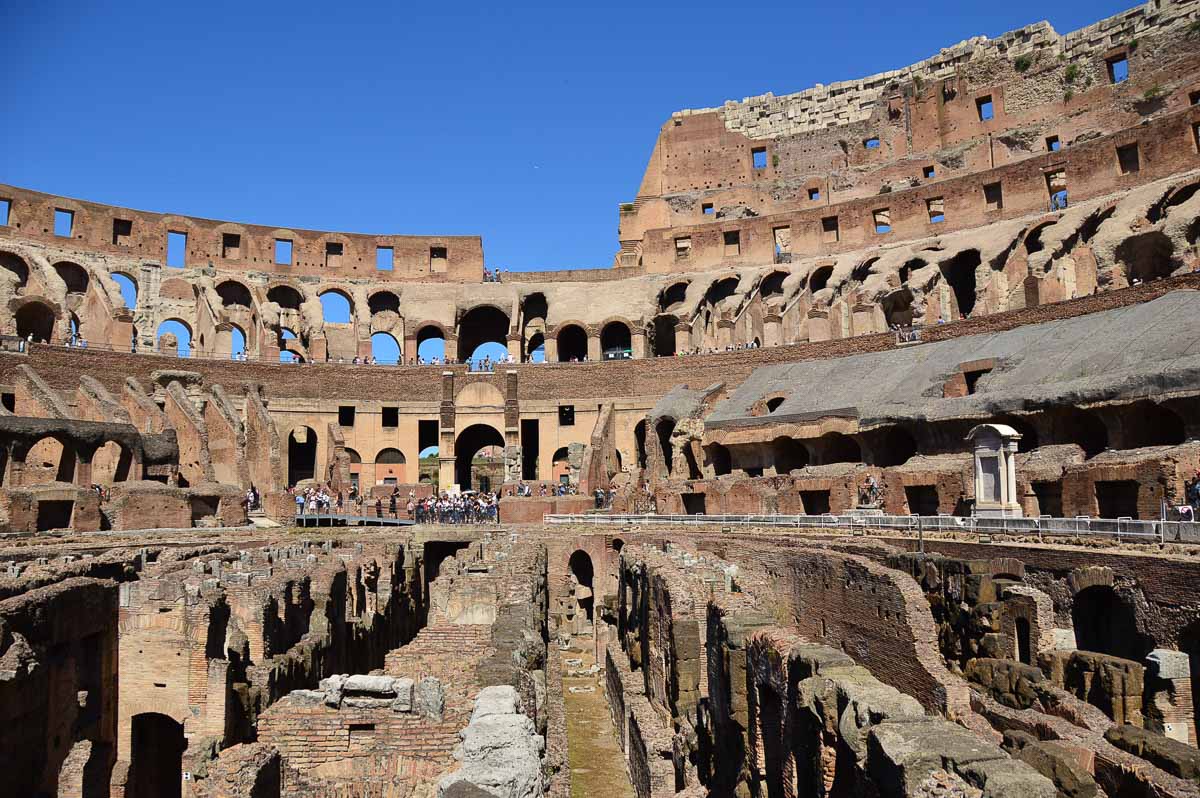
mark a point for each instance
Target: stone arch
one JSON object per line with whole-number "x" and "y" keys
{"x": 302, "y": 454}
{"x": 1146, "y": 257}
{"x": 184, "y": 346}
{"x": 385, "y": 348}
{"x": 111, "y": 463}
{"x": 772, "y": 284}
{"x": 335, "y": 302}
{"x": 382, "y": 301}
{"x": 482, "y": 324}
{"x": 467, "y": 445}
{"x": 36, "y": 318}
{"x": 14, "y": 264}
{"x": 431, "y": 331}
{"x": 286, "y": 296}
{"x": 234, "y": 294}
{"x": 73, "y": 275}
{"x": 176, "y": 288}
{"x": 819, "y": 278}
{"x": 721, "y": 288}
{"x": 616, "y": 339}
{"x": 1033, "y": 237}
{"x": 125, "y": 283}
{"x": 51, "y": 458}
{"x": 572, "y": 342}
{"x": 673, "y": 295}
{"x": 536, "y": 342}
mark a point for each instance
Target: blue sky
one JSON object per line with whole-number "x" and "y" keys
{"x": 524, "y": 123}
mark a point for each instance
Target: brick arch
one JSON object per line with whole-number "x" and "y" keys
{"x": 1087, "y": 576}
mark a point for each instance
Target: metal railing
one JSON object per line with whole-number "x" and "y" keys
{"x": 1117, "y": 529}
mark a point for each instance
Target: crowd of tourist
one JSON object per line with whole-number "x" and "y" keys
{"x": 468, "y": 507}
{"x": 714, "y": 350}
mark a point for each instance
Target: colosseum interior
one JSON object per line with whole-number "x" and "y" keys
{"x": 867, "y": 469}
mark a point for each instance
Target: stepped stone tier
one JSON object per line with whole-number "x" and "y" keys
{"x": 822, "y": 304}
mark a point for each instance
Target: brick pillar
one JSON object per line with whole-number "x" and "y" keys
{"x": 514, "y": 347}
{"x": 551, "y": 345}
{"x": 446, "y": 432}
{"x": 593, "y": 346}
{"x": 772, "y": 329}
{"x": 637, "y": 343}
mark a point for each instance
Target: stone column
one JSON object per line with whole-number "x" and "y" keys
{"x": 514, "y": 347}
{"x": 593, "y": 346}
{"x": 551, "y": 349}
{"x": 772, "y": 329}
{"x": 446, "y": 433}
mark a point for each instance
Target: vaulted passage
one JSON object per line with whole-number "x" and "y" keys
{"x": 467, "y": 445}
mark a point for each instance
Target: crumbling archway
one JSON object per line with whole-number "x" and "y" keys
{"x": 959, "y": 273}
{"x": 663, "y": 429}
{"x": 36, "y": 319}
{"x": 73, "y": 275}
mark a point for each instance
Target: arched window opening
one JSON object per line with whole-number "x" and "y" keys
{"x": 431, "y": 345}
{"x": 535, "y": 351}
{"x": 36, "y": 319}
{"x": 490, "y": 352}
{"x": 672, "y": 296}
{"x": 664, "y": 336}
{"x": 384, "y": 348}
{"x": 285, "y": 296}
{"x": 336, "y": 308}
{"x": 302, "y": 455}
{"x": 572, "y": 344}
{"x": 237, "y": 342}
{"x": 180, "y": 331}
{"x": 285, "y": 356}
{"x": 128, "y": 288}
{"x": 74, "y": 275}
{"x": 820, "y": 278}
{"x": 663, "y": 429}
{"x": 471, "y": 474}
{"x": 580, "y": 565}
{"x": 615, "y": 341}
{"x": 233, "y": 294}
{"x": 382, "y": 301}
{"x": 482, "y": 325}
{"x": 959, "y": 272}
{"x": 788, "y": 454}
